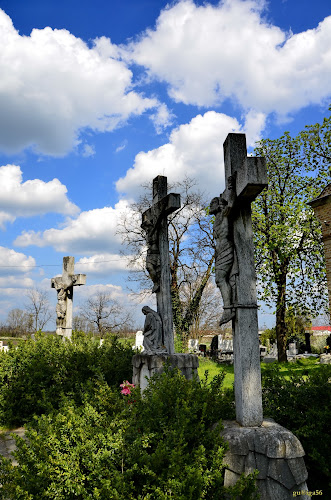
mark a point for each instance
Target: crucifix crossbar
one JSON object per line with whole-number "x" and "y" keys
{"x": 155, "y": 225}
{"x": 161, "y": 209}
{"x": 64, "y": 286}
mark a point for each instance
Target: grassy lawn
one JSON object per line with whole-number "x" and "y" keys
{"x": 300, "y": 367}
{"x": 207, "y": 365}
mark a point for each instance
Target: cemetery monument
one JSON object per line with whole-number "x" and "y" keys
{"x": 64, "y": 286}
{"x": 154, "y": 223}
{"x": 235, "y": 271}
{"x": 158, "y": 329}
{"x": 254, "y": 442}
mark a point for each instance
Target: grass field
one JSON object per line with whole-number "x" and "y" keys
{"x": 301, "y": 367}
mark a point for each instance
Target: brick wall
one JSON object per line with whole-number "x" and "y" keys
{"x": 322, "y": 209}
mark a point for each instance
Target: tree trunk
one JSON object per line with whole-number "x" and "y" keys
{"x": 280, "y": 318}
{"x": 183, "y": 322}
{"x": 175, "y": 299}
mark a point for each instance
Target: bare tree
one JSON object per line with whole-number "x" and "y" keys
{"x": 105, "y": 313}
{"x": 207, "y": 315}
{"x": 191, "y": 249}
{"x": 81, "y": 324}
{"x": 38, "y": 307}
{"x": 19, "y": 322}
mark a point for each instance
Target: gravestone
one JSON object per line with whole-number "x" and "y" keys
{"x": 3, "y": 347}
{"x": 139, "y": 340}
{"x": 272, "y": 355}
{"x": 64, "y": 285}
{"x": 254, "y": 443}
{"x": 292, "y": 350}
{"x": 193, "y": 344}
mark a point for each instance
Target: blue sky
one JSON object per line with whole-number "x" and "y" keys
{"x": 98, "y": 97}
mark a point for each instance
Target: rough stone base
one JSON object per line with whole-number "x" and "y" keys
{"x": 325, "y": 359}
{"x": 271, "y": 449}
{"x": 145, "y": 365}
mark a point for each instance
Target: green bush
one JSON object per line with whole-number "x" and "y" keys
{"x": 34, "y": 376}
{"x": 159, "y": 446}
{"x": 302, "y": 404}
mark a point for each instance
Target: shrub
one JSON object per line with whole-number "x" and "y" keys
{"x": 35, "y": 375}
{"x": 302, "y": 404}
{"x": 124, "y": 447}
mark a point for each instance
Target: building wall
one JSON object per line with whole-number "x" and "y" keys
{"x": 322, "y": 209}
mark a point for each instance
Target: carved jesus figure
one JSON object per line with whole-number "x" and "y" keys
{"x": 225, "y": 255}
{"x": 61, "y": 306}
{"x": 153, "y": 261}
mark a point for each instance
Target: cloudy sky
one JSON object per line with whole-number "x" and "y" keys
{"x": 98, "y": 97}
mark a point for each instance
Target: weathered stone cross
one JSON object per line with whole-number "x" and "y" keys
{"x": 245, "y": 177}
{"x": 154, "y": 222}
{"x": 64, "y": 286}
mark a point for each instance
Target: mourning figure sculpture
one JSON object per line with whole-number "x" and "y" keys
{"x": 153, "y": 341}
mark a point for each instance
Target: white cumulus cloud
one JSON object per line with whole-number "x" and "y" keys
{"x": 93, "y": 231}
{"x": 32, "y": 197}
{"x": 210, "y": 53}
{"x": 14, "y": 263}
{"x": 195, "y": 150}
{"x": 53, "y": 85}
{"x": 102, "y": 264}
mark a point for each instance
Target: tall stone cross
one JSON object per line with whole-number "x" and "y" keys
{"x": 64, "y": 286}
{"x": 245, "y": 177}
{"x": 154, "y": 222}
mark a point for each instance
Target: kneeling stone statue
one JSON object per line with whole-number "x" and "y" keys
{"x": 153, "y": 332}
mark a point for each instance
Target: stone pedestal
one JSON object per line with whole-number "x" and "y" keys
{"x": 271, "y": 449}
{"x": 145, "y": 365}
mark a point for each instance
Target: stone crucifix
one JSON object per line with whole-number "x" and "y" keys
{"x": 155, "y": 225}
{"x": 235, "y": 274}
{"x": 64, "y": 286}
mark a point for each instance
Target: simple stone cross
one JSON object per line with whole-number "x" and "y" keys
{"x": 154, "y": 222}
{"x": 64, "y": 286}
{"x": 245, "y": 177}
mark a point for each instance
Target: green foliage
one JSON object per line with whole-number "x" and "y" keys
{"x": 288, "y": 245}
{"x": 317, "y": 143}
{"x": 160, "y": 446}
{"x": 35, "y": 376}
{"x": 269, "y": 334}
{"x": 287, "y": 234}
{"x": 302, "y": 403}
{"x": 179, "y": 344}
{"x": 318, "y": 343}
{"x": 296, "y": 326}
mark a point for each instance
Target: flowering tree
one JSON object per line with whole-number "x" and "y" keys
{"x": 289, "y": 252}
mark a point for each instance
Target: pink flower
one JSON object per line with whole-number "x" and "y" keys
{"x": 126, "y": 387}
